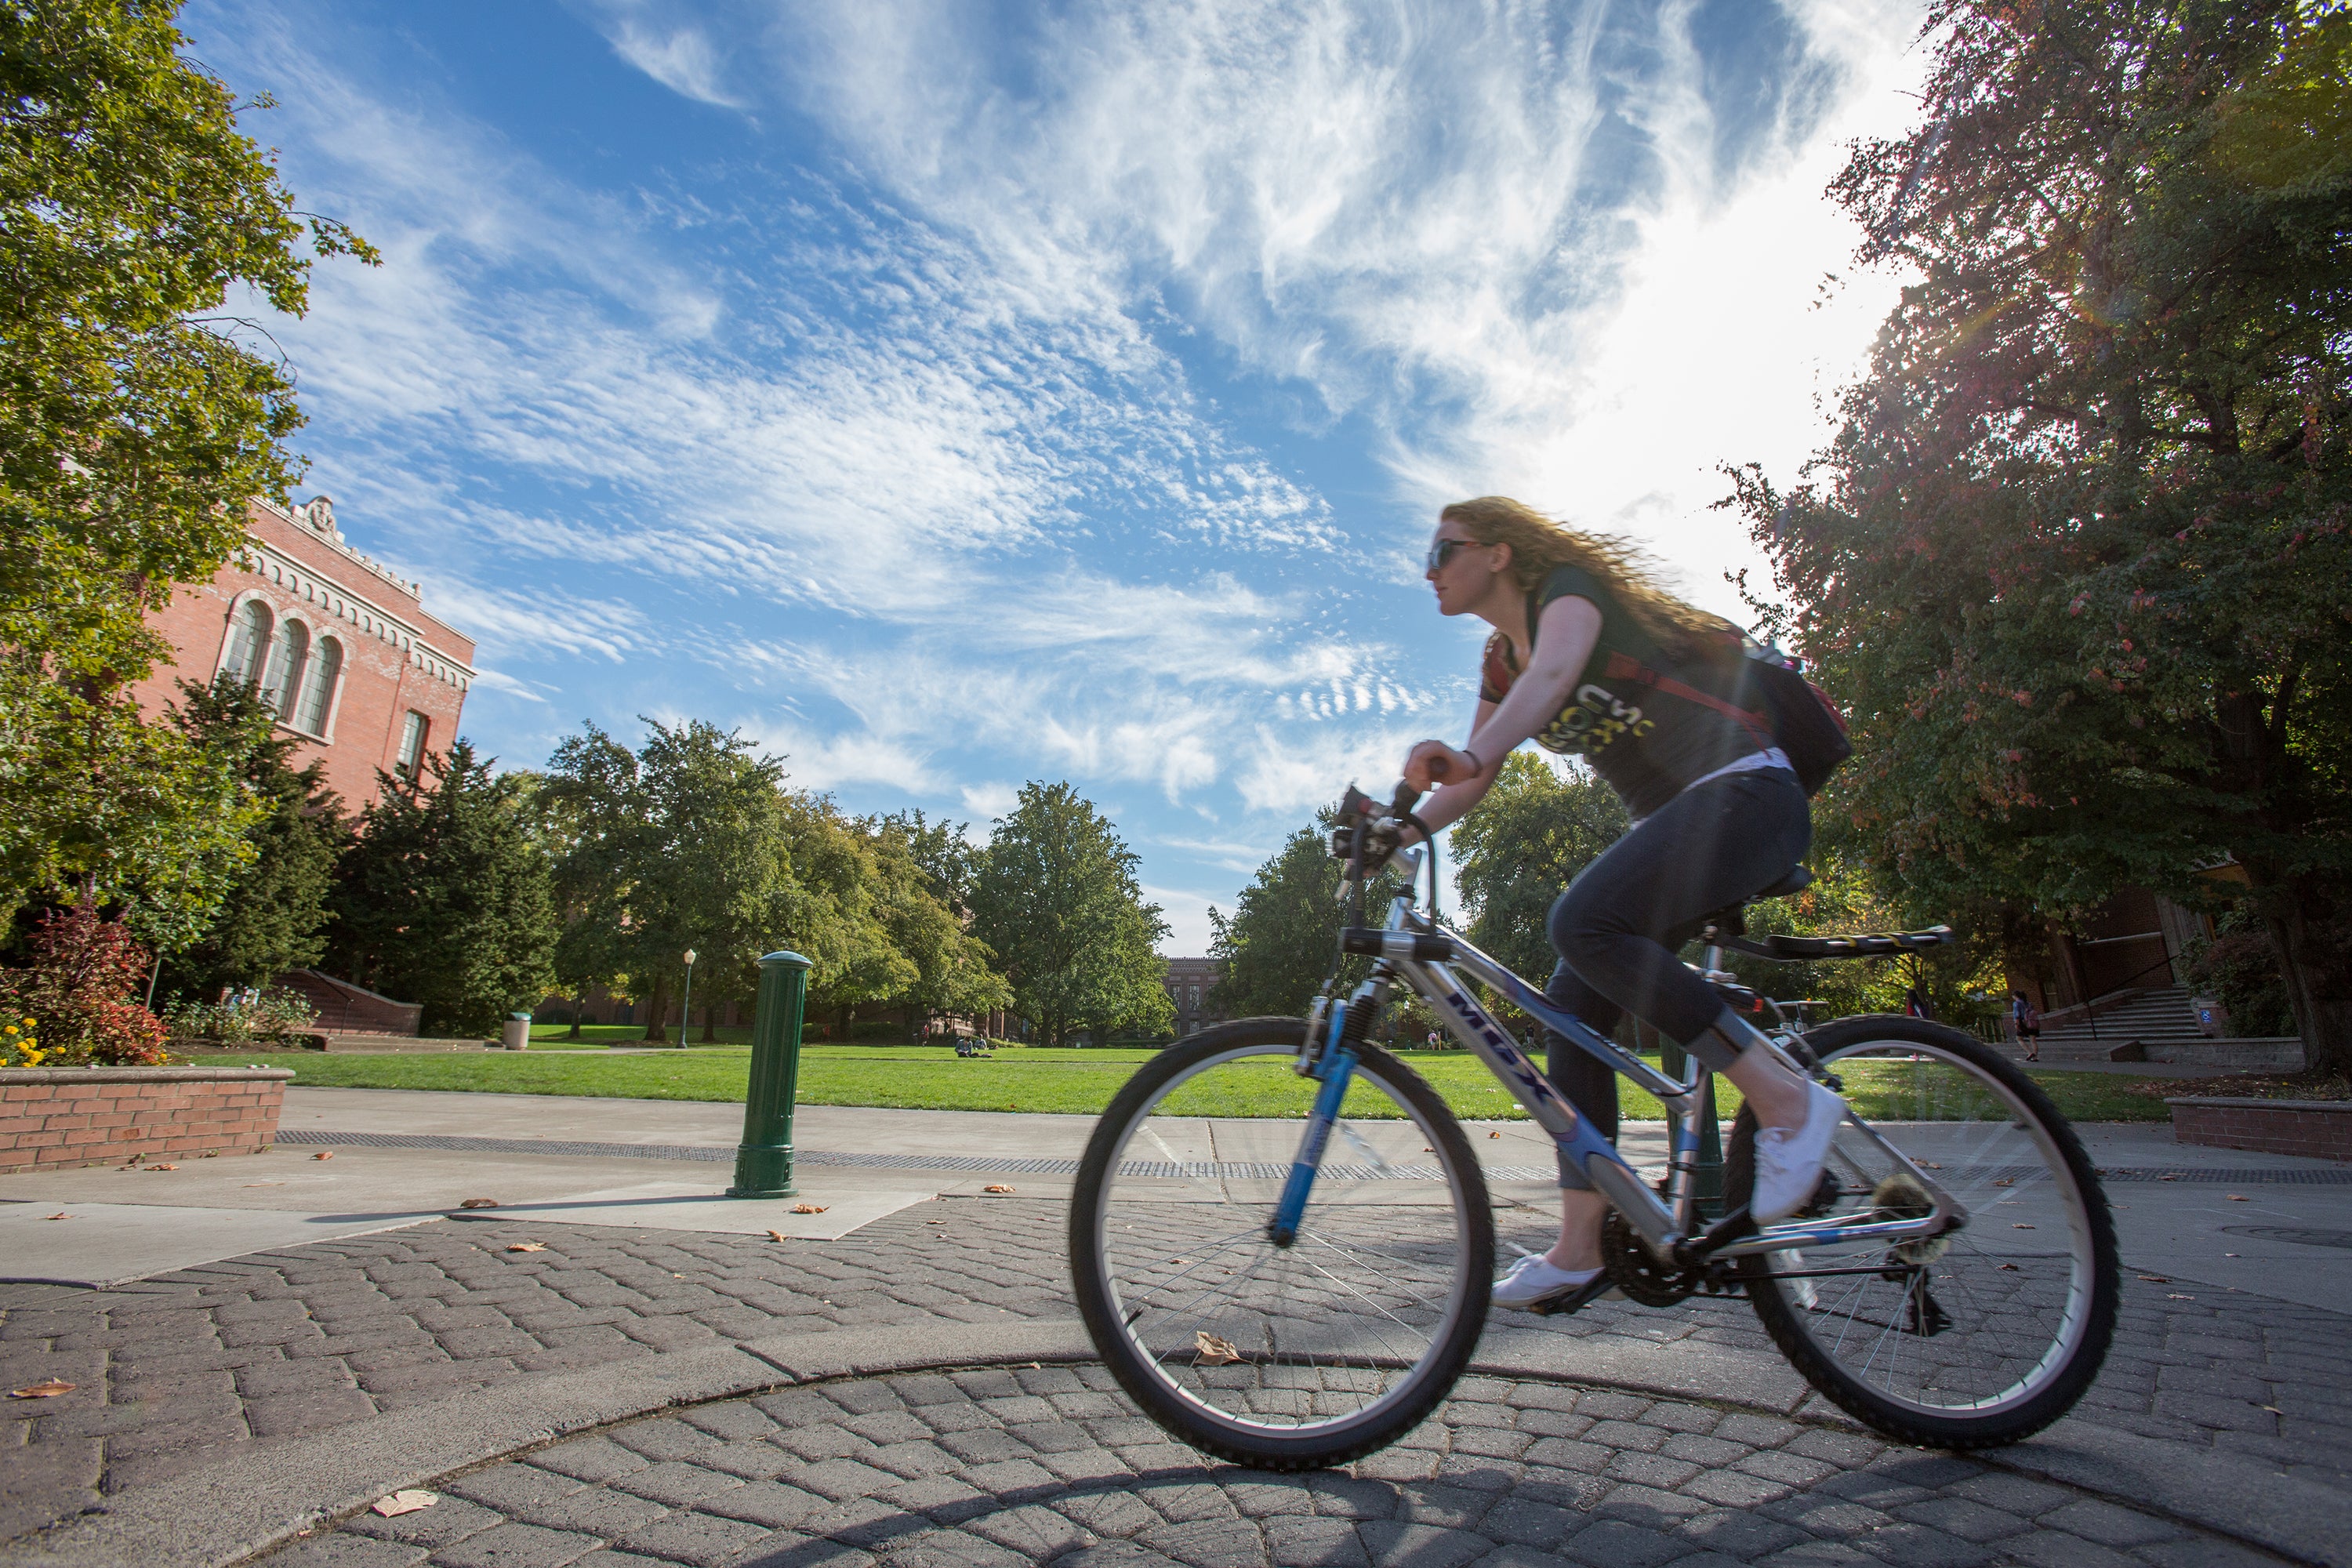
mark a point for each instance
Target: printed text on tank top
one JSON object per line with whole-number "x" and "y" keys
{"x": 1650, "y": 725}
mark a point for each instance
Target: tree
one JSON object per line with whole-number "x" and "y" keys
{"x": 918, "y": 910}
{"x": 133, "y": 426}
{"x": 686, "y": 844}
{"x": 1278, "y": 945}
{"x": 274, "y": 910}
{"x": 1057, "y": 899}
{"x": 2076, "y": 557}
{"x": 444, "y": 899}
{"x": 1521, "y": 847}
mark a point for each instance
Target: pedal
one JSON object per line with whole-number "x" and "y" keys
{"x": 1574, "y": 1300}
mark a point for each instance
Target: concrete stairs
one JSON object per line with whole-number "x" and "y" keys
{"x": 2159, "y": 1026}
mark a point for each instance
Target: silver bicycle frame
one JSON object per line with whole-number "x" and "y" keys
{"x": 1664, "y": 1223}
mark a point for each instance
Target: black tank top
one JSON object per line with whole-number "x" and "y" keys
{"x": 1634, "y": 712}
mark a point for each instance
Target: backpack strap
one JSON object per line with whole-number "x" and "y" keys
{"x": 1623, "y": 666}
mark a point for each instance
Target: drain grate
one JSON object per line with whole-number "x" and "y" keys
{"x": 1186, "y": 1170}
{"x": 1226, "y": 1169}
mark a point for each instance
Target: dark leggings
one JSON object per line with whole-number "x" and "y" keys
{"x": 1621, "y": 925}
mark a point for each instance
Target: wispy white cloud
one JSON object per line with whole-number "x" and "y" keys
{"x": 680, "y": 57}
{"x": 961, "y": 446}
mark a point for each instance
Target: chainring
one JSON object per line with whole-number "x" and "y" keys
{"x": 1635, "y": 1270}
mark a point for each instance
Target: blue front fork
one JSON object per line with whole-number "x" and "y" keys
{"x": 1337, "y": 1067}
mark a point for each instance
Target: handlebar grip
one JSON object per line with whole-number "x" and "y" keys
{"x": 1438, "y": 768}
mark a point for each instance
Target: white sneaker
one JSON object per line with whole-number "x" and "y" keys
{"x": 1789, "y": 1160}
{"x": 1533, "y": 1279}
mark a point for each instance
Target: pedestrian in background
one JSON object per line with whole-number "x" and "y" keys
{"x": 2027, "y": 1019}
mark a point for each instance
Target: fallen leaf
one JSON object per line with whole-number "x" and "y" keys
{"x": 60, "y": 1216}
{"x": 399, "y": 1503}
{"x": 2006, "y": 1182}
{"x": 775, "y": 1236}
{"x": 2012, "y": 1268}
{"x": 45, "y": 1390}
{"x": 1212, "y": 1351}
{"x": 159, "y": 1167}
{"x": 528, "y": 1247}
{"x": 996, "y": 1187}
{"x": 2240, "y": 1198}
{"x": 2228, "y": 1254}
{"x": 2021, "y": 1224}
{"x": 2167, "y": 1178}
{"x": 2155, "y": 1278}
{"x": 1490, "y": 1135}
{"x": 2177, "y": 1296}
{"x": 2274, "y": 1409}
{"x": 479, "y": 1204}
{"x": 1933, "y": 1166}
{"x": 324, "y": 1154}
{"x": 810, "y": 1208}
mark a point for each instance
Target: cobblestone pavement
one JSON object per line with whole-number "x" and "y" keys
{"x": 189, "y": 1367}
{"x": 1051, "y": 1465}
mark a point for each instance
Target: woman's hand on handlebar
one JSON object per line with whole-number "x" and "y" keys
{"x": 1434, "y": 762}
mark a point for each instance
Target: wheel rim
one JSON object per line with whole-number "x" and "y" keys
{"x": 1991, "y": 1323}
{"x": 1330, "y": 1333}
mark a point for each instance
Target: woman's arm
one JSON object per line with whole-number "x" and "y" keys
{"x": 1566, "y": 634}
{"x": 1450, "y": 802}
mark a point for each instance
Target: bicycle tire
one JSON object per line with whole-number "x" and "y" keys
{"x": 1146, "y": 1376}
{"x": 2087, "y": 1314}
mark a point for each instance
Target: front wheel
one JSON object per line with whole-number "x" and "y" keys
{"x": 1981, "y": 1336}
{"x": 1283, "y": 1356}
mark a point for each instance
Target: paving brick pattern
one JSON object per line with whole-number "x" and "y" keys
{"x": 1053, "y": 1465}
{"x": 189, "y": 1367}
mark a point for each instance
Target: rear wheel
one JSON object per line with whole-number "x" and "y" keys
{"x": 1280, "y": 1356}
{"x": 1983, "y": 1335}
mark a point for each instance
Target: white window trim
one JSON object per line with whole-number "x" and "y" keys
{"x": 228, "y": 636}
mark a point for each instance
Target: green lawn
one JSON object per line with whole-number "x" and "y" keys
{"x": 1080, "y": 1082}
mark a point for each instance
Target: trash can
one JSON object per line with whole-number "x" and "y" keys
{"x": 517, "y": 1033}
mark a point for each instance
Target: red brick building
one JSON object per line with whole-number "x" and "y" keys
{"x": 1190, "y": 982}
{"x": 341, "y": 647}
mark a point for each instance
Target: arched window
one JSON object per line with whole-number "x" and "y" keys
{"x": 248, "y": 641}
{"x": 288, "y": 661}
{"x": 319, "y": 690}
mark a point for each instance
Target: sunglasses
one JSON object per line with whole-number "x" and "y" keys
{"x": 1443, "y": 550}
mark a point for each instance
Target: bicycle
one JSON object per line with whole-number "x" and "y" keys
{"x": 1273, "y": 1306}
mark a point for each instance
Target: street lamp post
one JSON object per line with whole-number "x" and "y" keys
{"x": 686, "y": 1008}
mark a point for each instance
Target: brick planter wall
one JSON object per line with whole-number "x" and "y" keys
{"x": 2315, "y": 1129}
{"x": 51, "y": 1117}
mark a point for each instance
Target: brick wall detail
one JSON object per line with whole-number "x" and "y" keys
{"x": 53, "y": 1118}
{"x": 397, "y": 657}
{"x": 2313, "y": 1128}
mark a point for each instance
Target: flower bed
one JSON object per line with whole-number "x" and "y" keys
{"x": 52, "y": 1118}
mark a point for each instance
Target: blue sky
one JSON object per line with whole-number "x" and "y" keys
{"x": 954, "y": 394}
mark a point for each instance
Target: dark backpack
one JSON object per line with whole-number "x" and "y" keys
{"x": 1790, "y": 711}
{"x": 1810, "y": 730}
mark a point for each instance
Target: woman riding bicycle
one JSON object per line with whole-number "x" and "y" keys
{"x": 1589, "y": 657}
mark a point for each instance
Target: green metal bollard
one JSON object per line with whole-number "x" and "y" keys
{"x": 1707, "y": 1179}
{"x": 763, "y": 1161}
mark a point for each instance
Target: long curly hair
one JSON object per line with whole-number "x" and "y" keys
{"x": 1538, "y": 544}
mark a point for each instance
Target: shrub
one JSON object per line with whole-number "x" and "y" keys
{"x": 276, "y": 1018}
{"x": 2240, "y": 966}
{"x": 77, "y": 991}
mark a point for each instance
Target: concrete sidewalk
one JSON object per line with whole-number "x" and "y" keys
{"x": 2229, "y": 1217}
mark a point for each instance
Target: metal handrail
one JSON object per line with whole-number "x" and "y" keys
{"x": 2092, "y": 1018}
